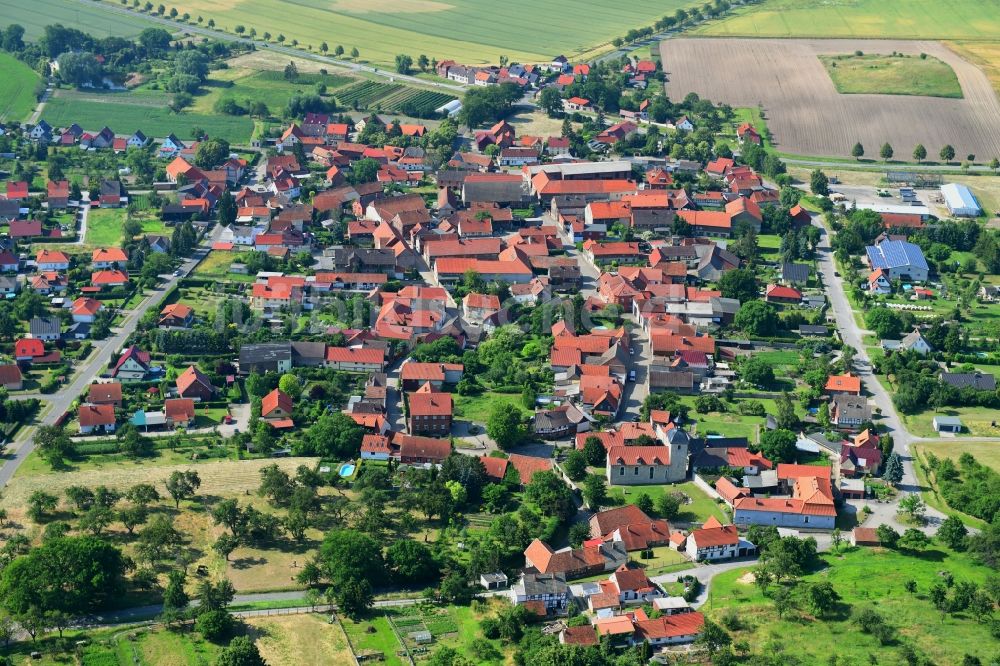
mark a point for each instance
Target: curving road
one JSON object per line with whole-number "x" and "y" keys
{"x": 277, "y": 48}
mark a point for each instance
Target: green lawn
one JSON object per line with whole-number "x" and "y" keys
{"x": 864, "y": 578}
{"x": 929, "y": 489}
{"x": 892, "y": 75}
{"x": 104, "y": 227}
{"x": 913, "y": 19}
{"x": 698, "y": 510}
{"x": 87, "y": 17}
{"x": 476, "y": 408}
{"x": 380, "y": 29}
{"x": 17, "y": 88}
{"x": 126, "y": 112}
{"x": 977, "y": 421}
{"x": 987, "y": 453}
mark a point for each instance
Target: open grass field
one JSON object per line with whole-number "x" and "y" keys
{"x": 244, "y": 84}
{"x": 299, "y": 639}
{"x": 891, "y": 75}
{"x": 944, "y": 639}
{"x": 94, "y": 21}
{"x": 807, "y": 116}
{"x": 698, "y": 510}
{"x": 104, "y": 227}
{"x": 216, "y": 266}
{"x": 17, "y": 88}
{"x": 126, "y": 112}
{"x": 468, "y": 31}
{"x": 477, "y": 408}
{"x": 977, "y": 421}
{"x": 987, "y": 453}
{"x": 899, "y": 19}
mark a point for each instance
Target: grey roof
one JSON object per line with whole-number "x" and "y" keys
{"x": 551, "y": 420}
{"x": 813, "y": 329}
{"x": 851, "y": 407}
{"x": 948, "y": 420}
{"x": 267, "y": 352}
{"x": 309, "y": 350}
{"x": 538, "y": 584}
{"x": 911, "y": 339}
{"x": 583, "y": 168}
{"x": 980, "y": 381}
{"x": 767, "y": 478}
{"x": 489, "y": 191}
{"x": 795, "y": 272}
{"x": 44, "y": 326}
{"x": 652, "y": 218}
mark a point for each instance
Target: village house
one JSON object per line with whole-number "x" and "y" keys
{"x": 96, "y": 418}
{"x": 179, "y": 412}
{"x": 193, "y": 383}
{"x": 715, "y": 541}
{"x": 429, "y": 411}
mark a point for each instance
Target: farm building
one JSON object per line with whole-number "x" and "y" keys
{"x": 960, "y": 200}
{"x": 899, "y": 259}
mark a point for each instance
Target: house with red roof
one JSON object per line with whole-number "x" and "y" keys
{"x": 193, "y": 383}
{"x": 51, "y": 260}
{"x": 108, "y": 279}
{"x": 104, "y": 258}
{"x": 878, "y": 282}
{"x": 355, "y": 359}
{"x": 276, "y": 407}
{"x": 85, "y": 309}
{"x": 375, "y": 446}
{"x": 132, "y": 366}
{"x": 842, "y": 385}
{"x": 528, "y": 466}
{"x": 577, "y": 104}
{"x": 176, "y": 315}
{"x": 777, "y": 293}
{"x": 179, "y": 412}
{"x": 17, "y": 190}
{"x": 96, "y": 418}
{"x": 414, "y": 449}
{"x": 25, "y": 229}
{"x": 811, "y": 504}
{"x": 476, "y": 308}
{"x": 746, "y": 133}
{"x": 105, "y": 393}
{"x": 28, "y": 349}
{"x": 11, "y": 377}
{"x": 715, "y": 541}
{"x": 429, "y": 411}
{"x": 588, "y": 560}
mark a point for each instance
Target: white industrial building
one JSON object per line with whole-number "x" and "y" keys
{"x": 960, "y": 200}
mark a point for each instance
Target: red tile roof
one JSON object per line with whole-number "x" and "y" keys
{"x": 366, "y": 355}
{"x": 179, "y": 409}
{"x": 276, "y": 399}
{"x": 191, "y": 376}
{"x": 846, "y": 383}
{"x": 29, "y": 347}
{"x": 109, "y": 254}
{"x": 96, "y": 415}
{"x": 528, "y": 466}
{"x": 430, "y": 404}
{"x": 639, "y": 455}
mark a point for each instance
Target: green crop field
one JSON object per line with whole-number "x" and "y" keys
{"x": 17, "y": 88}
{"x": 468, "y": 31}
{"x": 127, "y": 112}
{"x": 392, "y": 97}
{"x": 93, "y": 20}
{"x": 892, "y": 75}
{"x": 903, "y": 19}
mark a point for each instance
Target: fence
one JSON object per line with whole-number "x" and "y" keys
{"x": 298, "y": 610}
{"x": 704, "y": 485}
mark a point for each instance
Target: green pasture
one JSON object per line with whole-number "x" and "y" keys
{"x": 88, "y": 17}
{"x": 892, "y": 75}
{"x": 126, "y": 112}
{"x": 17, "y": 88}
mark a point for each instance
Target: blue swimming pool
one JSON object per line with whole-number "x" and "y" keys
{"x": 346, "y": 470}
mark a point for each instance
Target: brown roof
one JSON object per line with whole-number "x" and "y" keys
{"x": 411, "y": 446}
{"x": 582, "y": 635}
{"x": 97, "y": 415}
{"x": 496, "y": 468}
{"x": 528, "y": 466}
{"x": 192, "y": 376}
{"x": 610, "y": 520}
{"x": 179, "y": 409}
{"x": 109, "y": 392}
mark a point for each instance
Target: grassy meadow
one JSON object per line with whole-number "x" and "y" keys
{"x": 864, "y": 578}
{"x": 17, "y": 88}
{"x": 468, "y": 31}
{"x": 892, "y": 75}
{"x": 126, "y": 112}
{"x": 912, "y": 19}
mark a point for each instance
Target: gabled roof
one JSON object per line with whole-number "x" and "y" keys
{"x": 193, "y": 376}
{"x": 96, "y": 415}
{"x": 639, "y": 455}
{"x": 528, "y": 466}
{"x": 276, "y": 399}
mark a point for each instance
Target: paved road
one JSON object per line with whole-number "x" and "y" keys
{"x": 95, "y": 365}
{"x": 881, "y": 166}
{"x": 851, "y": 334}
{"x": 277, "y": 48}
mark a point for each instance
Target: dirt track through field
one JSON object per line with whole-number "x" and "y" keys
{"x": 807, "y": 116}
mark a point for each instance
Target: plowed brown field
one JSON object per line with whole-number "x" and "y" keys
{"x": 807, "y": 116}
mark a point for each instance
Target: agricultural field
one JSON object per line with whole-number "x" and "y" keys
{"x": 912, "y": 19}
{"x": 985, "y": 55}
{"x": 299, "y": 639}
{"x": 391, "y": 97}
{"x": 463, "y": 30}
{"x": 892, "y": 75}
{"x": 94, "y": 21}
{"x": 807, "y": 116}
{"x": 17, "y": 88}
{"x": 146, "y": 110}
{"x": 943, "y": 638}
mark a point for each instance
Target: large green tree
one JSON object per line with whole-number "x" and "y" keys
{"x": 740, "y": 284}
{"x": 332, "y": 435}
{"x": 505, "y": 425}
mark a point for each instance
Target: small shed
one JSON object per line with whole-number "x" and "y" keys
{"x": 493, "y": 581}
{"x": 947, "y": 424}
{"x": 865, "y": 536}
{"x": 960, "y": 200}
